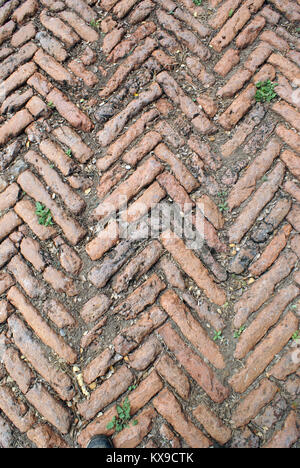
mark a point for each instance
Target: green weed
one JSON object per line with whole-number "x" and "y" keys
{"x": 265, "y": 91}
{"x": 44, "y": 214}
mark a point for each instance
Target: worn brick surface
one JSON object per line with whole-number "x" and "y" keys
{"x": 111, "y": 111}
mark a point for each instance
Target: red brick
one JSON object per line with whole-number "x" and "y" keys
{"x": 130, "y": 437}
{"x": 43, "y": 436}
{"x": 33, "y": 187}
{"x": 23, "y": 35}
{"x": 5, "y": 310}
{"x": 192, "y": 329}
{"x": 33, "y": 287}
{"x": 140, "y": 359}
{"x": 137, "y": 267}
{"x": 131, "y": 337}
{"x": 53, "y": 68}
{"x": 262, "y": 196}
{"x": 108, "y": 392}
{"x": 292, "y": 162}
{"x": 72, "y": 140}
{"x": 227, "y": 62}
{"x": 235, "y": 24}
{"x": 70, "y": 111}
{"x": 185, "y": 36}
{"x": 250, "y": 32}
{"x": 265, "y": 353}
{"x": 128, "y": 189}
{"x": 253, "y": 403}
{"x": 286, "y": 67}
{"x": 15, "y": 126}
{"x": 15, "y": 410}
{"x": 51, "y": 409}
{"x": 144, "y": 295}
{"x": 182, "y": 174}
{"x": 288, "y": 113}
{"x": 288, "y": 435}
{"x": 134, "y": 131}
{"x": 138, "y": 398}
{"x": 89, "y": 78}
{"x": 8, "y": 223}
{"x": 70, "y": 198}
{"x": 277, "y": 42}
{"x": 18, "y": 370}
{"x": 212, "y": 424}
{"x": 265, "y": 320}
{"x": 167, "y": 405}
{"x": 167, "y": 368}
{"x": 258, "y": 56}
{"x": 58, "y": 314}
{"x": 238, "y": 108}
{"x": 139, "y": 55}
{"x": 95, "y": 308}
{"x": 221, "y": 16}
{"x": 39, "y": 325}
{"x": 52, "y": 46}
{"x": 287, "y": 365}
{"x": 246, "y": 184}
{"x": 263, "y": 288}
{"x": 59, "y": 29}
{"x": 25, "y": 11}
{"x": 193, "y": 267}
{"x": 193, "y": 364}
{"x": 59, "y": 281}
{"x": 271, "y": 252}
{"x": 106, "y": 239}
{"x": 26, "y": 210}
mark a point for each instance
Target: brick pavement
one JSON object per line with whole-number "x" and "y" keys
{"x": 153, "y": 100}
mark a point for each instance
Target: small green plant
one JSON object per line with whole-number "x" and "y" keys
{"x": 230, "y": 14}
{"x": 69, "y": 153}
{"x": 218, "y": 336}
{"x": 265, "y": 91}
{"x": 296, "y": 336}
{"x": 223, "y": 207}
{"x": 197, "y": 2}
{"x": 50, "y": 104}
{"x": 44, "y": 214}
{"x": 118, "y": 423}
{"x": 238, "y": 332}
{"x": 94, "y": 24}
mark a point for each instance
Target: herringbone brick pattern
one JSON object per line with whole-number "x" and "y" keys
{"x": 152, "y": 100}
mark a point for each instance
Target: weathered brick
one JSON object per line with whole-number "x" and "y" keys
{"x": 262, "y": 196}
{"x": 167, "y": 368}
{"x": 109, "y": 391}
{"x": 131, "y": 337}
{"x": 264, "y": 353}
{"x": 263, "y": 288}
{"x": 33, "y": 187}
{"x": 43, "y": 436}
{"x": 253, "y": 403}
{"x": 22, "y": 417}
{"x": 39, "y": 325}
{"x": 198, "y": 369}
{"x": 138, "y": 398}
{"x": 193, "y": 267}
{"x": 212, "y": 424}
{"x": 288, "y": 435}
{"x": 191, "y": 329}
{"x": 143, "y": 296}
{"x": 167, "y": 405}
{"x": 51, "y": 409}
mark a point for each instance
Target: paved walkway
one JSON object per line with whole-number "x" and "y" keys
{"x": 154, "y": 101}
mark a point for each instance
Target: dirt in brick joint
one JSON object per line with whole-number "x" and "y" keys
{"x": 235, "y": 285}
